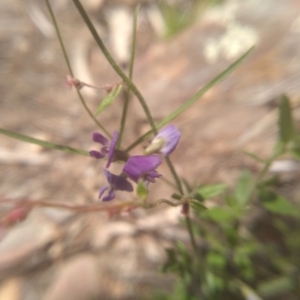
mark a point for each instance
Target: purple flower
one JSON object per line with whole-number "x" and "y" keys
{"x": 106, "y": 150}
{"x": 116, "y": 183}
{"x": 165, "y": 141}
{"x": 142, "y": 167}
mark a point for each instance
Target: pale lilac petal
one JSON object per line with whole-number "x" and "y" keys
{"x": 138, "y": 166}
{"x": 99, "y": 138}
{"x": 96, "y": 154}
{"x": 112, "y": 148}
{"x": 171, "y": 135}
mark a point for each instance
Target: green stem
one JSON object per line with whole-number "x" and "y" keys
{"x": 114, "y": 65}
{"x": 70, "y": 68}
{"x": 174, "y": 174}
{"x": 191, "y": 233}
{"x": 91, "y": 114}
{"x": 45, "y": 144}
{"x": 131, "y": 63}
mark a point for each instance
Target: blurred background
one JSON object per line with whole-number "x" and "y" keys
{"x": 181, "y": 45}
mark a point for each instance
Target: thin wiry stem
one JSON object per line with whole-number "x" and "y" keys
{"x": 126, "y": 79}
{"x": 126, "y": 103}
{"x": 114, "y": 65}
{"x": 174, "y": 174}
{"x": 191, "y": 233}
{"x": 70, "y": 68}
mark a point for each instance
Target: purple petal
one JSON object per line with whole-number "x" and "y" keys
{"x": 102, "y": 191}
{"x": 137, "y": 166}
{"x": 111, "y": 195}
{"x": 153, "y": 175}
{"x": 112, "y": 148}
{"x": 96, "y": 154}
{"x": 99, "y": 138}
{"x": 122, "y": 184}
{"x": 150, "y": 177}
{"x": 171, "y": 135}
{"x": 118, "y": 182}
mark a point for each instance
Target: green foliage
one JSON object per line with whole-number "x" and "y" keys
{"x": 211, "y": 191}
{"x": 235, "y": 263}
{"x": 244, "y": 189}
{"x": 281, "y": 205}
{"x": 176, "y": 18}
{"x": 287, "y": 130}
{"x": 110, "y": 97}
{"x": 218, "y": 214}
{"x": 197, "y": 205}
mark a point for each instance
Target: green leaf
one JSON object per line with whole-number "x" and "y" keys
{"x": 42, "y": 143}
{"x": 287, "y": 129}
{"x": 276, "y": 287}
{"x": 213, "y": 281}
{"x": 202, "y": 91}
{"x": 175, "y": 18}
{"x": 197, "y": 206}
{"x": 176, "y": 196}
{"x": 108, "y": 99}
{"x": 218, "y": 214}
{"x": 142, "y": 190}
{"x": 216, "y": 260}
{"x": 244, "y": 188}
{"x": 281, "y": 206}
{"x": 211, "y": 191}
{"x": 194, "y": 98}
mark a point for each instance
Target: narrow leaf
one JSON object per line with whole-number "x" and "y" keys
{"x": 281, "y": 206}
{"x": 244, "y": 188}
{"x": 110, "y": 97}
{"x": 197, "y": 206}
{"x": 211, "y": 191}
{"x": 194, "y": 98}
{"x": 218, "y": 214}
{"x": 287, "y": 129}
{"x": 202, "y": 91}
{"x": 42, "y": 143}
